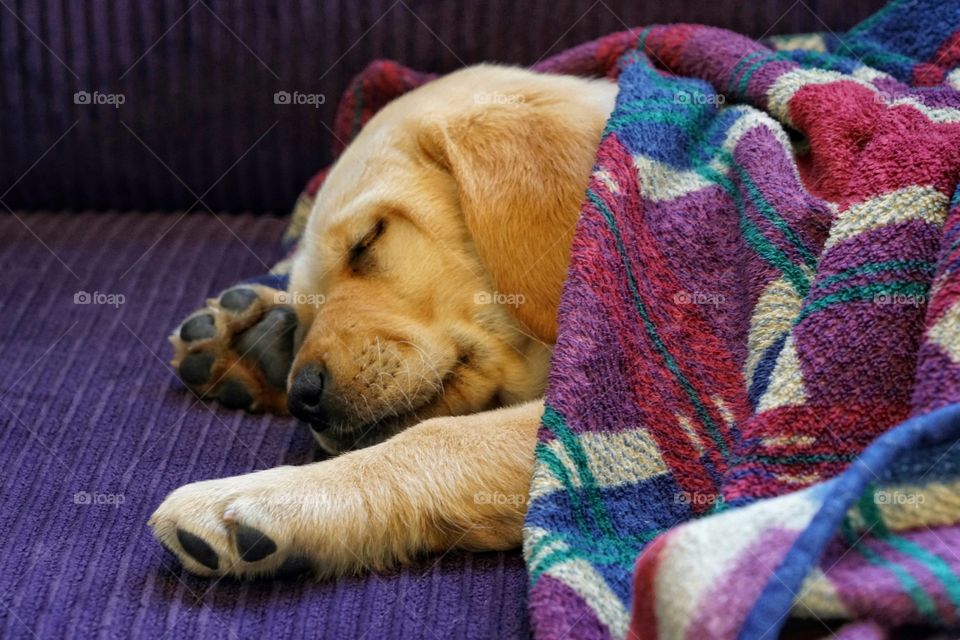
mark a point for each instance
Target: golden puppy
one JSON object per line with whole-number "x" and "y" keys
{"x": 415, "y": 335}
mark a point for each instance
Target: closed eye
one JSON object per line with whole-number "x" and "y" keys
{"x": 358, "y": 254}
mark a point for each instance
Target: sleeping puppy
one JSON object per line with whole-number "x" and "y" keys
{"x": 414, "y": 338}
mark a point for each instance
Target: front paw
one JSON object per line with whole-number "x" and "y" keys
{"x": 244, "y": 527}
{"x": 238, "y": 349}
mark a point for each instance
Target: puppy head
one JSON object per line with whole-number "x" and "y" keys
{"x": 429, "y": 273}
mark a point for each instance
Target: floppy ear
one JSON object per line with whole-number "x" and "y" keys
{"x": 521, "y": 168}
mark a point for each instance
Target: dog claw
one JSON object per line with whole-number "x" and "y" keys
{"x": 253, "y": 544}
{"x": 198, "y": 549}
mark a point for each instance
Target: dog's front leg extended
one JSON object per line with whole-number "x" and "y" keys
{"x": 457, "y": 482}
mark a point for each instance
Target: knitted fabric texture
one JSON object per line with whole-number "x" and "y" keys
{"x": 750, "y": 408}
{"x": 762, "y": 283}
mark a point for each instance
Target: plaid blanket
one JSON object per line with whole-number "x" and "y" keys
{"x": 750, "y": 413}
{"x": 763, "y": 282}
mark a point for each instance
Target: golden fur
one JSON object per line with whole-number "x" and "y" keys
{"x": 436, "y": 337}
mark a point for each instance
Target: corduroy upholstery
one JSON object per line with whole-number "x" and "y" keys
{"x": 199, "y": 79}
{"x": 95, "y": 430}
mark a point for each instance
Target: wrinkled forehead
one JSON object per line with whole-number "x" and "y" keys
{"x": 332, "y": 216}
{"x": 362, "y": 182}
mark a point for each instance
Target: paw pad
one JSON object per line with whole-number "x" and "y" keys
{"x": 198, "y": 549}
{"x": 253, "y": 544}
{"x": 198, "y": 328}
{"x": 238, "y": 298}
{"x": 195, "y": 368}
{"x": 270, "y": 344}
{"x": 233, "y": 395}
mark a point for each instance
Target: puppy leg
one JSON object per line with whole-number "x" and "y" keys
{"x": 239, "y": 348}
{"x": 446, "y": 483}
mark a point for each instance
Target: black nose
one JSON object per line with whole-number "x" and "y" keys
{"x": 305, "y": 397}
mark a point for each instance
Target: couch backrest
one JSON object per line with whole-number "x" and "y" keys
{"x": 169, "y": 104}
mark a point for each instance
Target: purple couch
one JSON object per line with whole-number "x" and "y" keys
{"x": 94, "y": 428}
